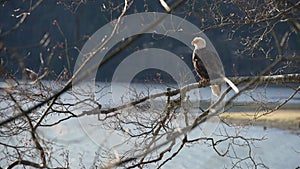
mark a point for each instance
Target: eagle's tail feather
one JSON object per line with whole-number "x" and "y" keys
{"x": 216, "y": 89}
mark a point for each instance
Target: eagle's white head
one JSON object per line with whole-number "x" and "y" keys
{"x": 199, "y": 43}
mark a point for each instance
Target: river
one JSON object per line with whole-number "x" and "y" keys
{"x": 83, "y": 138}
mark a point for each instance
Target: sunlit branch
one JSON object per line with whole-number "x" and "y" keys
{"x": 69, "y": 84}
{"x": 275, "y": 79}
{"x": 24, "y": 16}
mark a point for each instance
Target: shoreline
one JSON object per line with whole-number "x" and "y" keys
{"x": 285, "y": 119}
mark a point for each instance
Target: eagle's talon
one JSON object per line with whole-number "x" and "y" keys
{"x": 204, "y": 82}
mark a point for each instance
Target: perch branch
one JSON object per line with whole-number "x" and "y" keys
{"x": 275, "y": 79}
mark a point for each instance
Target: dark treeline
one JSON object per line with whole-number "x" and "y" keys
{"x": 56, "y": 31}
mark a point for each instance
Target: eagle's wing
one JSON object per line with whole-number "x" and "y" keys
{"x": 211, "y": 62}
{"x": 199, "y": 66}
{"x": 212, "y": 65}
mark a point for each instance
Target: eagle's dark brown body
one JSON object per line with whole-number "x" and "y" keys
{"x": 199, "y": 66}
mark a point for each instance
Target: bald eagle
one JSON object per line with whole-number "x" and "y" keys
{"x": 213, "y": 65}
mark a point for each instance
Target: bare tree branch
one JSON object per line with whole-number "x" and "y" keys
{"x": 157, "y": 134}
{"x": 275, "y": 79}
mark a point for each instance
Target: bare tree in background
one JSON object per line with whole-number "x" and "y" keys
{"x": 155, "y": 127}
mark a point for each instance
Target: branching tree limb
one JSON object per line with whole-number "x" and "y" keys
{"x": 275, "y": 79}
{"x": 259, "y": 30}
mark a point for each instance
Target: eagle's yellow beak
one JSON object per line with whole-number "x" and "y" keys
{"x": 193, "y": 42}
